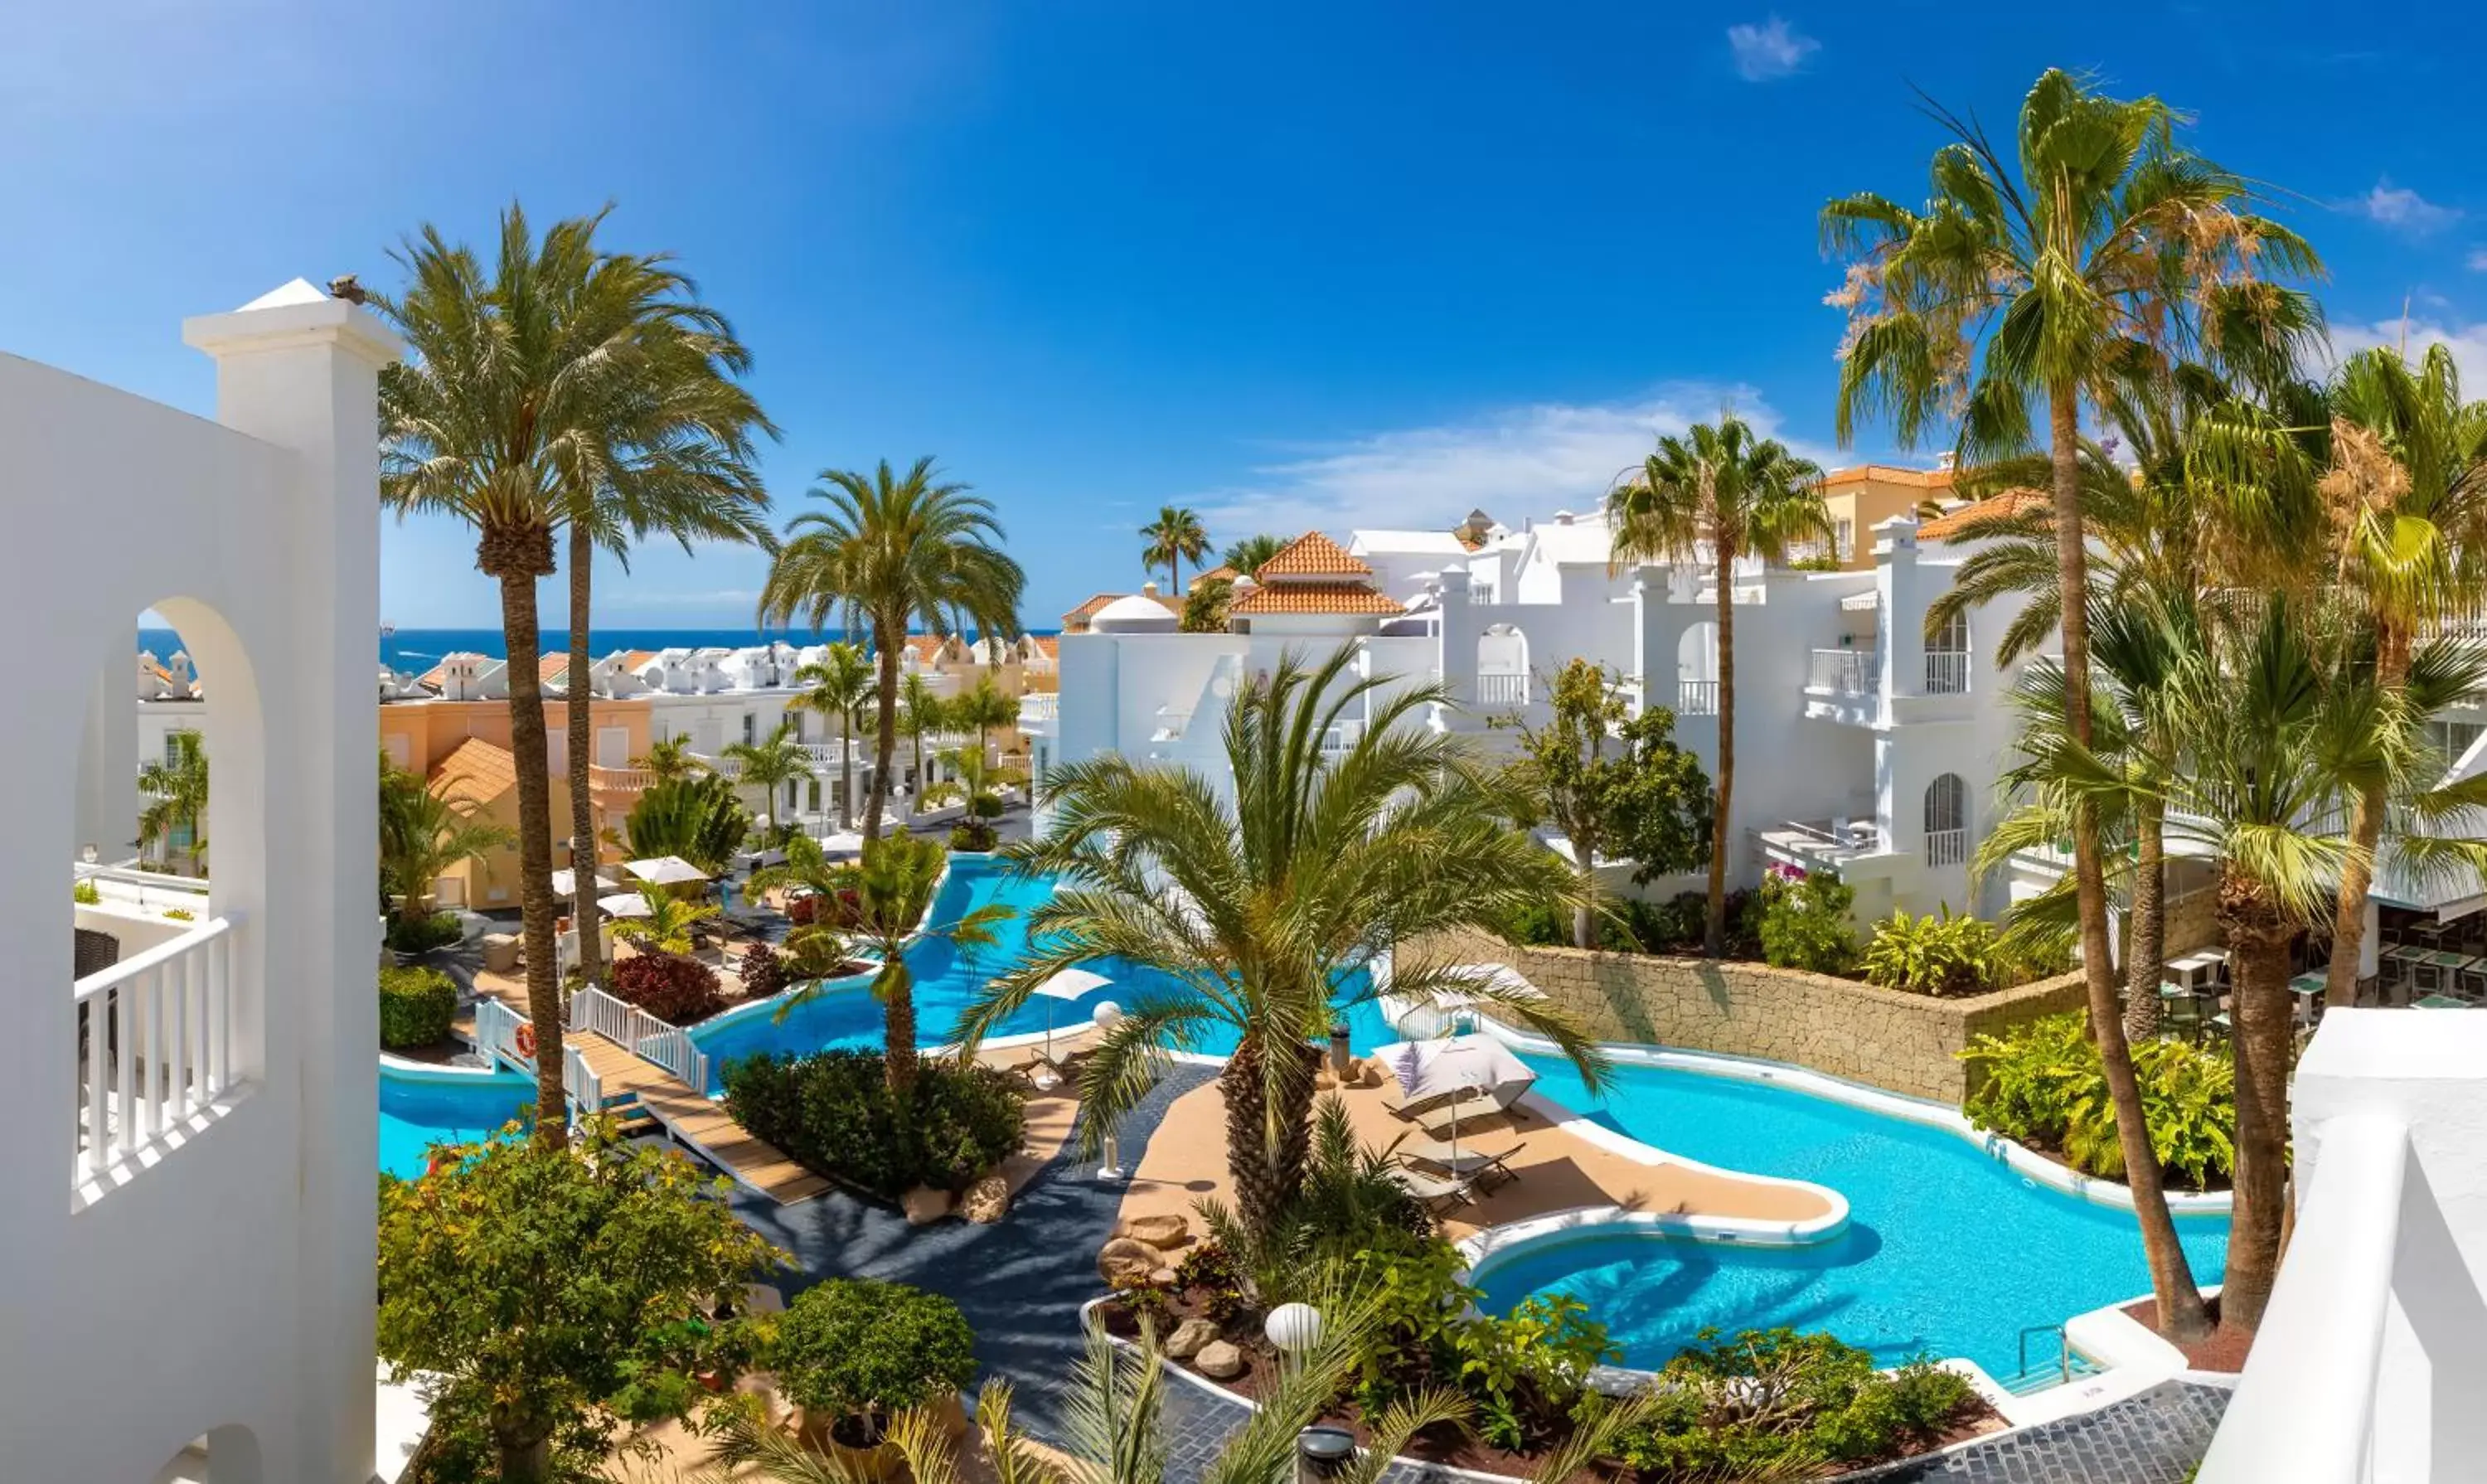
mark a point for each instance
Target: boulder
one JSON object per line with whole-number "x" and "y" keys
{"x": 1123, "y": 1260}
{"x": 1167, "y": 1231}
{"x": 1218, "y": 1360}
{"x": 986, "y": 1201}
{"x": 1188, "y": 1338}
{"x": 923, "y": 1205}
{"x": 1322, "y": 1082}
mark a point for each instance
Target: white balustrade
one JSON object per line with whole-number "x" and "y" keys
{"x": 496, "y": 1038}
{"x": 1946, "y": 847}
{"x": 1697, "y": 698}
{"x": 1040, "y": 706}
{"x": 1946, "y": 672}
{"x": 636, "y": 1031}
{"x": 1507, "y": 688}
{"x": 155, "y": 1045}
{"x": 1846, "y": 671}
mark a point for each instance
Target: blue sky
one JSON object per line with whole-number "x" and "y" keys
{"x": 1292, "y": 265}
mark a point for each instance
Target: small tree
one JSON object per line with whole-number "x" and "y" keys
{"x": 1206, "y": 606}
{"x": 698, "y": 818}
{"x": 559, "y": 1291}
{"x": 1616, "y": 784}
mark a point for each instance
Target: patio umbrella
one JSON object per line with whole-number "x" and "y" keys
{"x": 624, "y": 904}
{"x": 845, "y": 842}
{"x": 565, "y": 881}
{"x": 665, "y": 871}
{"x": 1071, "y": 984}
{"x": 1428, "y": 1067}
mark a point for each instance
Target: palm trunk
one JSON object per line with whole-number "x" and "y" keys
{"x": 2145, "y": 959}
{"x": 1269, "y": 1132}
{"x": 2258, "y": 964}
{"x": 885, "y": 743}
{"x": 518, "y": 630}
{"x": 2365, "y": 832}
{"x": 2181, "y": 1315}
{"x": 846, "y": 768}
{"x": 898, "y": 1030}
{"x": 1713, "y": 932}
{"x": 580, "y": 713}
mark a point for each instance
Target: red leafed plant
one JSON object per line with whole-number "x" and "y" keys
{"x": 673, "y": 988}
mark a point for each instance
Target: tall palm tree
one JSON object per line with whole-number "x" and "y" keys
{"x": 2406, "y": 497}
{"x": 669, "y": 758}
{"x": 814, "y": 948}
{"x": 423, "y": 834}
{"x": 676, "y": 460}
{"x": 1721, "y": 490}
{"x": 770, "y": 764}
{"x": 895, "y": 886}
{"x": 893, "y": 551}
{"x": 925, "y": 713}
{"x": 1265, "y": 903}
{"x": 1175, "y": 537}
{"x": 838, "y": 684}
{"x": 2099, "y": 254}
{"x": 1248, "y": 555}
{"x": 176, "y": 786}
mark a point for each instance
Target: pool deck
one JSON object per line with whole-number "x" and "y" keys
{"x": 1559, "y": 1170}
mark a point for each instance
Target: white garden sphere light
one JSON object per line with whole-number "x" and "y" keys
{"x": 1294, "y": 1328}
{"x": 1108, "y": 1014}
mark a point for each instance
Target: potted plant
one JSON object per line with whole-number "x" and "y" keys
{"x": 852, "y": 1353}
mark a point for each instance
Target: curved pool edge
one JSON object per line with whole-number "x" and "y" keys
{"x": 2024, "y": 1162}
{"x": 405, "y": 1070}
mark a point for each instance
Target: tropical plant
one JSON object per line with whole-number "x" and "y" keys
{"x": 770, "y": 764}
{"x": 667, "y": 927}
{"x": 176, "y": 790}
{"x": 1774, "y": 1404}
{"x": 1808, "y": 923}
{"x": 982, "y": 709}
{"x": 1206, "y": 608}
{"x": 813, "y": 948}
{"x": 669, "y": 758}
{"x": 1646, "y": 801}
{"x": 1175, "y": 537}
{"x": 892, "y": 551}
{"x": 2106, "y": 252}
{"x": 1248, "y": 555}
{"x": 1718, "y": 492}
{"x": 2041, "y": 1083}
{"x": 700, "y": 818}
{"x": 551, "y": 1287}
{"x": 1935, "y": 954}
{"x": 833, "y": 1113}
{"x": 676, "y": 990}
{"x": 839, "y": 683}
{"x": 421, "y": 835}
{"x": 416, "y": 1007}
{"x": 926, "y": 714}
{"x": 861, "y": 1350}
{"x": 1267, "y": 903}
{"x": 978, "y": 784}
{"x": 2404, "y": 507}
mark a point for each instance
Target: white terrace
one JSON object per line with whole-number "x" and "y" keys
{"x": 188, "y": 1232}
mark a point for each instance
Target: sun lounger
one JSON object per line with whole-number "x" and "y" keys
{"x": 1469, "y": 1111}
{"x": 1435, "y": 1190}
{"x": 1471, "y": 1101}
{"x": 1466, "y": 1160}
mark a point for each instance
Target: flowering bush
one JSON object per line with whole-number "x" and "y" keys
{"x": 675, "y": 990}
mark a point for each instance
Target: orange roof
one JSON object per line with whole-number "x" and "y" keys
{"x": 637, "y": 658}
{"x": 474, "y": 773}
{"x": 1314, "y": 598}
{"x": 1213, "y": 575}
{"x": 551, "y": 667}
{"x": 1046, "y": 645}
{"x": 1922, "y": 479}
{"x": 1995, "y": 507}
{"x": 435, "y": 677}
{"x": 1313, "y": 555}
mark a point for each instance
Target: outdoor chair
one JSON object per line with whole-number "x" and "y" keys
{"x": 1470, "y": 1111}
{"x": 1438, "y": 1193}
{"x": 1473, "y": 1101}
{"x": 1459, "y": 1162}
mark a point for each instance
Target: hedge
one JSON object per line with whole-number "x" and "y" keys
{"x": 416, "y": 1006}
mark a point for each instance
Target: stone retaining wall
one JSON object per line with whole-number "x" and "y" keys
{"x": 1905, "y": 1042}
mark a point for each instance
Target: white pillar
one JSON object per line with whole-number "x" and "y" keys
{"x": 2371, "y": 941}
{"x": 107, "y": 798}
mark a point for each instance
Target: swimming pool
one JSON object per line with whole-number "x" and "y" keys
{"x": 1948, "y": 1252}
{"x": 420, "y": 1108}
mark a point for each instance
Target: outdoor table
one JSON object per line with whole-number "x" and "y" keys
{"x": 2441, "y": 1002}
{"x": 2442, "y": 963}
{"x": 2309, "y": 988}
{"x": 2399, "y": 963}
{"x": 2197, "y": 971}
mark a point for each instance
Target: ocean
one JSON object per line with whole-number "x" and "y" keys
{"x": 420, "y": 649}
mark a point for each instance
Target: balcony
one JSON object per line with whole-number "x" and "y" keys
{"x": 1697, "y": 698}
{"x": 1845, "y": 672}
{"x": 1814, "y": 844}
{"x": 1946, "y": 672}
{"x": 618, "y": 788}
{"x": 1946, "y": 847}
{"x": 1505, "y": 688}
{"x": 1039, "y": 709}
{"x": 155, "y": 1054}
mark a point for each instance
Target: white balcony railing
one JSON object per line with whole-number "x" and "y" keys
{"x": 1845, "y": 671}
{"x": 1040, "y": 706}
{"x": 1509, "y": 687}
{"x": 155, "y": 1046}
{"x": 1946, "y": 847}
{"x": 635, "y": 1030}
{"x": 1946, "y": 672}
{"x": 497, "y": 1039}
{"x": 1697, "y": 698}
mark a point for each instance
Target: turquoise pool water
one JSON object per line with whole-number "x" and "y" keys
{"x": 1948, "y": 1252}
{"x": 417, "y": 1114}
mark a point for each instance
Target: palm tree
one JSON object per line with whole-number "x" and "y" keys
{"x": 176, "y": 786}
{"x": 892, "y": 551}
{"x": 1175, "y": 537}
{"x": 838, "y": 684}
{"x": 669, "y": 758}
{"x": 700, "y": 818}
{"x": 2406, "y": 502}
{"x": 978, "y": 784}
{"x": 1266, "y": 903}
{"x": 423, "y": 834}
{"x": 926, "y": 713}
{"x": 1719, "y": 490}
{"x": 770, "y": 764}
{"x": 674, "y": 459}
{"x": 982, "y": 709}
{"x": 1248, "y": 555}
{"x": 816, "y": 948}
{"x": 895, "y": 887}
{"x": 667, "y": 927}
{"x": 2113, "y": 252}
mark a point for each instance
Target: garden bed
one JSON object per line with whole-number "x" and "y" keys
{"x": 2222, "y": 1350}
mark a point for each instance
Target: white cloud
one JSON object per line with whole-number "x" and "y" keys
{"x": 2467, "y": 344}
{"x": 2477, "y": 260}
{"x": 1514, "y": 462}
{"x": 2404, "y": 210}
{"x": 1769, "y": 50}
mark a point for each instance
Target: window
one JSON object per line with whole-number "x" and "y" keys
{"x": 2452, "y": 739}
{"x": 1948, "y": 656}
{"x": 173, "y": 746}
{"x": 1843, "y": 544}
{"x": 1947, "y": 821}
{"x": 750, "y": 728}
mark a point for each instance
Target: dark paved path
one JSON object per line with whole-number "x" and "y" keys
{"x": 1020, "y": 1283}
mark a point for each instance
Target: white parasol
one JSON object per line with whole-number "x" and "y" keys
{"x": 565, "y": 881}
{"x": 1426, "y": 1068}
{"x": 624, "y": 904}
{"x": 665, "y": 871}
{"x": 1071, "y": 984}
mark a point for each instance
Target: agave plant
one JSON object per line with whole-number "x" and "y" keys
{"x": 699, "y": 819}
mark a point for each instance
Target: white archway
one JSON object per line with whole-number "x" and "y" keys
{"x": 1696, "y": 670}
{"x": 1947, "y": 821}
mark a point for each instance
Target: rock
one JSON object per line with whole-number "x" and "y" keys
{"x": 986, "y": 1201}
{"x": 1123, "y": 1260}
{"x": 923, "y": 1205}
{"x": 1218, "y": 1360}
{"x": 1167, "y": 1231}
{"x": 1371, "y": 1075}
{"x": 1322, "y": 1082}
{"x": 1188, "y": 1338}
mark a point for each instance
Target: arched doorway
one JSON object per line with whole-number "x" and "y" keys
{"x": 1696, "y": 670}
{"x": 1947, "y": 821}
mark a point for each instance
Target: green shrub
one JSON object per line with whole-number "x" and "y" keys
{"x": 416, "y": 1007}
{"x": 423, "y": 935}
{"x": 860, "y": 1349}
{"x": 973, "y": 835}
{"x": 1805, "y": 923}
{"x": 831, "y": 1112}
{"x": 1827, "y": 1404}
{"x": 1934, "y": 955}
{"x": 2043, "y": 1085}
{"x": 180, "y": 914}
{"x": 673, "y": 988}
{"x": 85, "y": 894}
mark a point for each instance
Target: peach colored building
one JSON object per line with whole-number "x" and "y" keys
{"x": 1865, "y": 496}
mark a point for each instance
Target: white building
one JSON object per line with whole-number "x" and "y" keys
{"x": 189, "y": 1235}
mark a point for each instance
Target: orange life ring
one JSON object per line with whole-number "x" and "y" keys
{"x": 526, "y": 1040}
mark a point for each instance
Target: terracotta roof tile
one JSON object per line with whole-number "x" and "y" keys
{"x": 474, "y": 773}
{"x": 1312, "y": 555}
{"x": 1314, "y": 598}
{"x": 551, "y": 667}
{"x": 1890, "y": 474}
{"x": 2011, "y": 502}
{"x": 1213, "y": 575}
{"x": 637, "y": 658}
